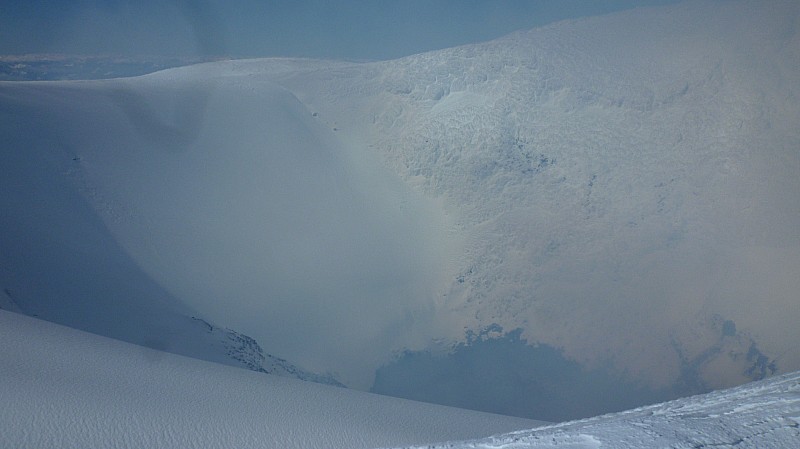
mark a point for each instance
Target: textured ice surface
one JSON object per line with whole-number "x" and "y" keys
{"x": 764, "y": 414}
{"x": 60, "y": 388}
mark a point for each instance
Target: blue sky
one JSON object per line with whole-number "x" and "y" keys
{"x": 377, "y": 29}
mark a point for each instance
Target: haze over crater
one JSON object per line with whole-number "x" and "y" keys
{"x": 621, "y": 191}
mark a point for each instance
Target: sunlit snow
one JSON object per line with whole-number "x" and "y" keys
{"x": 763, "y": 414}
{"x": 65, "y": 388}
{"x": 622, "y": 188}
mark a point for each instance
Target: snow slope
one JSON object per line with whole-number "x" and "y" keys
{"x": 623, "y": 188}
{"x": 221, "y": 198}
{"x": 65, "y": 388}
{"x": 58, "y": 260}
{"x": 764, "y": 414}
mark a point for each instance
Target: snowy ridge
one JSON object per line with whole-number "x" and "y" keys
{"x": 284, "y": 236}
{"x": 623, "y": 188}
{"x": 248, "y": 353}
{"x": 66, "y": 388}
{"x": 631, "y": 174}
{"x": 59, "y": 261}
{"x": 764, "y": 414}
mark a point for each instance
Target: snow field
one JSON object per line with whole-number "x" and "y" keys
{"x": 63, "y": 388}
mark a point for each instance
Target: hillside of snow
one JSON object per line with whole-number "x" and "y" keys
{"x": 764, "y": 414}
{"x": 619, "y": 194}
{"x": 59, "y": 259}
{"x": 619, "y": 176}
{"x": 65, "y": 388}
{"x": 623, "y": 188}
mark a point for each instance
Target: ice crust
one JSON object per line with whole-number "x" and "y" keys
{"x": 756, "y": 415}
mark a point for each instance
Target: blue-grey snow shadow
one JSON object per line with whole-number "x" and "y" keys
{"x": 58, "y": 260}
{"x": 237, "y": 201}
{"x": 506, "y": 375}
{"x": 170, "y": 135}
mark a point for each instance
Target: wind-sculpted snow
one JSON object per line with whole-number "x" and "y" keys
{"x": 626, "y": 183}
{"x": 229, "y": 195}
{"x": 245, "y": 352}
{"x": 763, "y": 414}
{"x": 64, "y": 388}
{"x": 59, "y": 260}
{"x": 619, "y": 187}
{"x": 622, "y": 188}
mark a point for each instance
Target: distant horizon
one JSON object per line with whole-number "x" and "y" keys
{"x": 248, "y": 29}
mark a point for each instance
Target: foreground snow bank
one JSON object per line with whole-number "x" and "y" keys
{"x": 66, "y": 388}
{"x": 763, "y": 414}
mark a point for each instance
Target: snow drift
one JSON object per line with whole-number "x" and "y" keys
{"x": 622, "y": 188}
{"x": 65, "y": 388}
{"x": 763, "y": 414}
{"x": 228, "y": 196}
